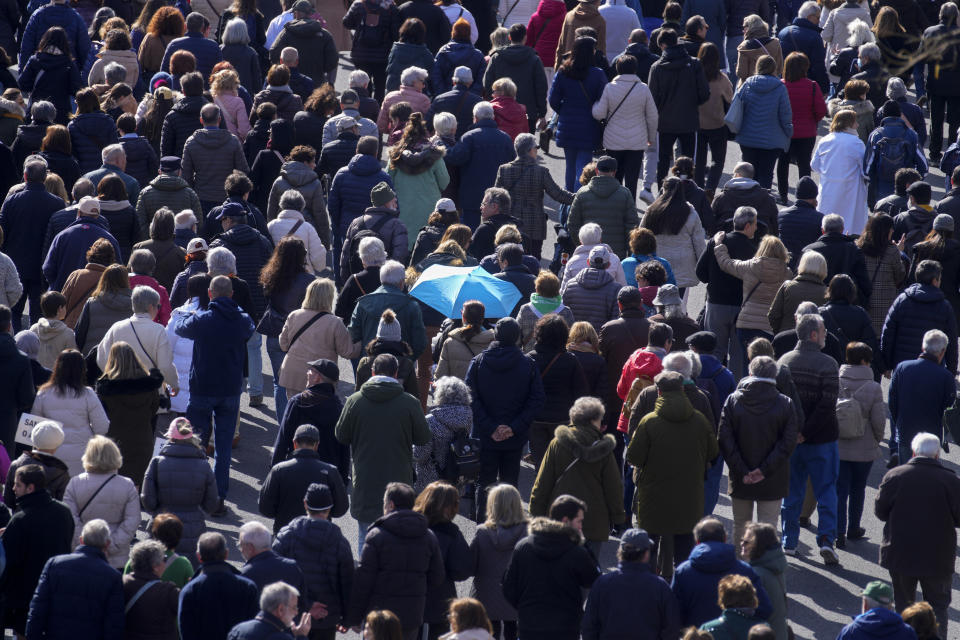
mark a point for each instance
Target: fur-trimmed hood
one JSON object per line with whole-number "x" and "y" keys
{"x": 551, "y": 539}
{"x": 420, "y": 161}
{"x": 586, "y": 442}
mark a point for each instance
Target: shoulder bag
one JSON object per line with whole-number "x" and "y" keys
{"x": 293, "y": 229}
{"x": 746, "y": 300}
{"x": 95, "y": 494}
{"x": 543, "y": 374}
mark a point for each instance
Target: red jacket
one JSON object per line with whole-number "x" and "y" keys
{"x": 806, "y": 102}
{"x": 641, "y": 363}
{"x": 543, "y": 30}
{"x": 163, "y": 314}
{"x": 511, "y": 116}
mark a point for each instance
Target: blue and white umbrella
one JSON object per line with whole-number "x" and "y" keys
{"x": 447, "y": 288}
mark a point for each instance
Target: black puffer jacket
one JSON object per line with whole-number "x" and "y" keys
{"x": 326, "y": 561}
{"x": 252, "y": 250}
{"x": 399, "y": 563}
{"x": 179, "y": 124}
{"x": 456, "y": 566}
{"x": 318, "y": 51}
{"x": 288, "y": 103}
{"x": 679, "y": 87}
{"x": 434, "y": 19}
{"x": 563, "y": 382}
{"x": 281, "y": 497}
{"x": 844, "y": 256}
{"x": 949, "y": 259}
{"x": 142, "y": 161}
{"x": 372, "y": 44}
{"x": 124, "y": 225}
{"x": 89, "y": 134}
{"x": 522, "y": 65}
{"x": 29, "y": 137}
{"x": 308, "y": 128}
{"x": 317, "y": 405}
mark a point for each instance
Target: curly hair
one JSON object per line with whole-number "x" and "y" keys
{"x": 167, "y": 21}
{"x": 284, "y": 265}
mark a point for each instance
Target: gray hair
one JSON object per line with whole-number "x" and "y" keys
{"x": 221, "y": 261}
{"x": 289, "y": 55}
{"x": 292, "y": 199}
{"x": 144, "y": 556}
{"x": 256, "y": 534}
{"x": 586, "y": 410}
{"x": 96, "y": 533}
{"x": 411, "y": 75}
{"x": 925, "y": 445}
{"x": 82, "y": 187}
{"x": 499, "y": 196}
{"x": 35, "y": 169}
{"x": 744, "y": 170}
{"x": 372, "y": 253}
{"x": 143, "y": 297}
{"x": 358, "y": 79}
{"x": 763, "y": 367}
{"x": 523, "y": 143}
{"x": 392, "y": 273}
{"x": 696, "y": 366}
{"x": 483, "y": 110}
{"x": 743, "y": 216}
{"x": 43, "y": 111}
{"x": 276, "y": 594}
{"x": 142, "y": 262}
{"x": 445, "y": 124}
{"x": 212, "y": 547}
{"x": 755, "y": 26}
{"x": 590, "y": 233}
{"x": 805, "y": 308}
{"x": 210, "y": 115}
{"x": 869, "y": 51}
{"x": 935, "y": 342}
{"x": 196, "y": 21}
{"x": 807, "y": 324}
{"x": 680, "y": 363}
{"x": 896, "y": 88}
{"x": 451, "y": 390}
{"x": 813, "y": 263}
{"x": 114, "y": 72}
{"x": 112, "y": 152}
{"x": 236, "y": 32}
{"x": 832, "y": 223}
{"x": 859, "y": 33}
{"x": 808, "y": 8}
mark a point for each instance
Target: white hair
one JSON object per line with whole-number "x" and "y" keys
{"x": 292, "y": 199}
{"x": 112, "y": 152}
{"x": 869, "y": 51}
{"x": 371, "y": 252}
{"x": 236, "y": 32}
{"x": 96, "y": 533}
{"x": 358, "y": 79}
{"x": 221, "y": 261}
{"x": 925, "y": 445}
{"x": 858, "y": 33}
{"x": 445, "y": 124}
{"x": 411, "y": 75}
{"x": 590, "y": 233}
{"x": 935, "y": 342}
{"x": 483, "y": 110}
{"x": 256, "y": 534}
{"x": 142, "y": 297}
{"x": 276, "y": 594}
{"x": 450, "y": 390}
{"x": 805, "y": 308}
{"x": 813, "y": 263}
{"x": 392, "y": 273}
{"x": 832, "y": 223}
{"x": 808, "y": 8}
{"x": 680, "y": 363}
{"x": 289, "y": 55}
{"x": 763, "y": 367}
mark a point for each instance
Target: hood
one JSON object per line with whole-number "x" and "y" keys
{"x": 585, "y": 442}
{"x": 894, "y": 127}
{"x": 168, "y": 183}
{"x": 603, "y": 186}
{"x": 404, "y": 523}
{"x": 305, "y": 28}
{"x": 517, "y": 54}
{"x": 379, "y": 390}
{"x": 675, "y": 58}
{"x": 49, "y": 328}
{"x": 116, "y": 300}
{"x": 551, "y": 539}
{"x": 856, "y": 373}
{"x": 506, "y": 538}
{"x": 94, "y": 124}
{"x": 226, "y": 308}
{"x": 503, "y": 359}
{"x": 645, "y": 362}
{"x": 129, "y": 387}
{"x": 551, "y": 8}
{"x": 713, "y": 557}
{"x": 190, "y": 106}
{"x": 921, "y": 217}
{"x": 298, "y": 174}
{"x": 362, "y": 165}
{"x": 593, "y": 278}
{"x": 741, "y": 184}
{"x": 182, "y": 449}
{"x": 55, "y": 467}
{"x": 414, "y": 162}
{"x": 762, "y": 84}
{"x": 482, "y": 339}
{"x": 757, "y": 395}
{"x": 879, "y": 623}
{"x": 242, "y": 234}
{"x": 212, "y": 139}
{"x": 674, "y": 407}
{"x": 924, "y": 293}
{"x": 585, "y": 10}
{"x": 774, "y": 561}
{"x": 50, "y": 61}
{"x": 316, "y": 534}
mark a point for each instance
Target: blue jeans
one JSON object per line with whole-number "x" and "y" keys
{"x": 711, "y": 486}
{"x": 254, "y": 365}
{"x": 576, "y": 160}
{"x": 732, "y": 43}
{"x": 276, "y": 355}
{"x": 852, "y": 484}
{"x": 222, "y": 413}
{"x": 821, "y": 463}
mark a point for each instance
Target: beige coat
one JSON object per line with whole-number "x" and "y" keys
{"x": 585, "y": 14}
{"x": 284, "y": 223}
{"x": 633, "y": 124}
{"x": 82, "y": 417}
{"x": 55, "y": 336}
{"x": 457, "y": 352}
{"x": 326, "y": 338}
{"x": 127, "y": 58}
{"x": 118, "y": 503}
{"x": 155, "y": 353}
{"x": 770, "y": 273}
{"x": 747, "y": 58}
{"x": 857, "y": 381}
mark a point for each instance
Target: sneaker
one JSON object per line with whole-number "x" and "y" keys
{"x": 857, "y": 534}
{"x": 646, "y": 196}
{"x": 221, "y": 509}
{"x": 791, "y": 552}
{"x": 828, "y": 553}
{"x": 256, "y": 401}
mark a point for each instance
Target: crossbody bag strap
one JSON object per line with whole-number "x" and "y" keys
{"x": 95, "y": 494}
{"x": 876, "y": 270}
{"x": 624, "y": 99}
{"x": 82, "y": 298}
{"x": 305, "y": 327}
{"x": 293, "y": 229}
{"x": 509, "y": 11}
{"x": 142, "y": 590}
{"x": 750, "y": 294}
{"x": 564, "y": 472}
{"x": 142, "y": 348}
{"x": 542, "y": 29}
{"x": 543, "y": 374}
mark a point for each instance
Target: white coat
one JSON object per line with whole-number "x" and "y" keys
{"x": 284, "y": 222}
{"x": 634, "y": 124}
{"x": 621, "y": 20}
{"x": 182, "y": 349}
{"x": 454, "y": 12}
{"x": 82, "y": 417}
{"x": 149, "y": 341}
{"x": 834, "y": 24}
{"x": 683, "y": 249}
{"x": 118, "y": 503}
{"x": 838, "y": 159}
{"x": 578, "y": 262}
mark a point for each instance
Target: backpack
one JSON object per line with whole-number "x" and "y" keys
{"x": 639, "y": 384}
{"x": 891, "y": 154}
{"x": 370, "y": 35}
{"x": 850, "y": 419}
{"x": 356, "y": 265}
{"x": 462, "y": 459}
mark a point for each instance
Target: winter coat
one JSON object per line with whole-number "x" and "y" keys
{"x": 919, "y": 504}
{"x": 170, "y": 259}
{"x": 51, "y": 77}
{"x": 154, "y": 615}
{"x": 117, "y": 502}
{"x": 203, "y": 49}
{"x": 380, "y": 423}
{"x": 856, "y": 381}
{"x": 592, "y": 297}
{"x": 404, "y": 55}
{"x": 82, "y": 417}
{"x": 543, "y": 30}
{"x": 843, "y": 256}
{"x": 479, "y": 153}
{"x": 400, "y": 562}
{"x": 335, "y": 154}
{"x": 54, "y": 469}
{"x": 123, "y": 224}
{"x": 762, "y": 277}
{"x": 896, "y": 130}
{"x": 619, "y": 21}
{"x": 510, "y": 116}
{"x": 393, "y": 232}
{"x": 618, "y": 340}
{"x": 165, "y": 191}
{"x": 949, "y": 258}
{"x": 220, "y": 336}
{"x": 609, "y": 204}
{"x": 876, "y": 76}
{"x": 804, "y": 36}
{"x": 252, "y": 250}
{"x": 594, "y": 478}
{"x": 683, "y": 249}
{"x": 446, "y": 422}
{"x": 209, "y": 156}
{"x": 578, "y": 261}
{"x": 563, "y": 382}
{"x": 646, "y": 400}
{"x": 371, "y": 42}
{"x": 521, "y": 64}
{"x": 732, "y": 624}
{"x": 98, "y": 316}
{"x": 838, "y": 158}
{"x": 800, "y": 225}
{"x": 545, "y": 580}
{"x": 51, "y": 15}
{"x": 940, "y": 68}
{"x": 127, "y": 58}
{"x": 181, "y": 481}
{"x": 28, "y": 140}
{"x": 317, "y": 405}
{"x": 459, "y": 102}
{"x": 886, "y": 274}
{"x": 584, "y": 14}
{"x": 722, "y": 287}
{"x": 806, "y": 105}
{"x": 55, "y": 336}
{"x": 745, "y": 192}
{"x": 835, "y": 29}
{"x": 767, "y": 118}
{"x": 771, "y": 566}
{"x": 78, "y": 594}
{"x": 216, "y": 600}
{"x": 130, "y": 405}
{"x": 491, "y": 550}
{"x": 920, "y": 391}
{"x": 806, "y": 287}
{"x": 326, "y": 338}
{"x": 758, "y": 430}
{"x": 679, "y": 87}
{"x": 528, "y": 315}
{"x": 914, "y": 223}
{"x": 527, "y": 180}
{"x": 417, "y": 100}
{"x": 418, "y": 179}
{"x": 671, "y": 449}
{"x": 281, "y": 496}
{"x": 350, "y": 191}
{"x": 458, "y": 351}
{"x": 299, "y": 177}
{"x": 142, "y": 163}
{"x": 506, "y": 389}
{"x": 268, "y": 567}
{"x": 234, "y": 114}
{"x": 179, "y": 124}
{"x": 631, "y": 114}
{"x": 695, "y": 582}
{"x": 864, "y": 110}
{"x": 877, "y": 623}
{"x": 918, "y": 309}
{"x": 573, "y": 99}
{"x": 24, "y": 218}
{"x": 284, "y": 225}
{"x": 457, "y": 566}
{"x": 89, "y": 134}
{"x": 631, "y": 601}
{"x": 10, "y": 287}
{"x": 246, "y": 62}
{"x": 67, "y": 251}
{"x": 452, "y": 55}
{"x": 816, "y": 377}
{"x": 749, "y": 51}
{"x": 849, "y": 323}
{"x": 366, "y": 317}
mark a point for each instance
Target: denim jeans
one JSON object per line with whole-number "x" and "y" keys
{"x": 221, "y": 413}
{"x": 576, "y": 160}
{"x": 819, "y": 462}
{"x": 254, "y": 365}
{"x": 721, "y": 319}
{"x": 732, "y": 43}
{"x": 276, "y": 355}
{"x": 852, "y": 484}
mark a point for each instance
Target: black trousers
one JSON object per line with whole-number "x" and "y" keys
{"x": 32, "y": 290}
{"x": 629, "y": 165}
{"x": 763, "y": 161}
{"x": 496, "y": 466}
{"x": 378, "y": 78}
{"x": 714, "y": 140}
{"x": 800, "y": 153}
{"x": 509, "y": 629}
{"x": 940, "y": 106}
{"x": 936, "y": 591}
{"x": 688, "y": 147}
{"x": 678, "y": 545}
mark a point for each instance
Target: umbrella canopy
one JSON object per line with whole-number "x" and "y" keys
{"x": 447, "y": 288}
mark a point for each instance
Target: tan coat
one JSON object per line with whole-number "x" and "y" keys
{"x": 770, "y": 273}
{"x": 151, "y": 52}
{"x": 325, "y": 338}
{"x": 127, "y": 58}
{"x": 55, "y": 336}
{"x": 747, "y": 58}
{"x": 77, "y": 289}
{"x": 456, "y": 354}
{"x": 583, "y": 15}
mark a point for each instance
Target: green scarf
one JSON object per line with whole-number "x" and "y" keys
{"x": 543, "y": 304}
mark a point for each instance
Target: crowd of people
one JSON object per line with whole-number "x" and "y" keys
{"x": 186, "y": 190}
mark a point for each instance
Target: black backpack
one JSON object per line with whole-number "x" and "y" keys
{"x": 356, "y": 265}
{"x": 892, "y": 154}
{"x": 462, "y": 460}
{"x": 371, "y": 35}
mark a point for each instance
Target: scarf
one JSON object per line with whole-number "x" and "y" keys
{"x": 544, "y": 304}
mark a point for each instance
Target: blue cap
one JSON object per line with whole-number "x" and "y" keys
{"x": 637, "y": 538}
{"x": 232, "y": 210}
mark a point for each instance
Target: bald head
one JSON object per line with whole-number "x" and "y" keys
{"x": 221, "y": 287}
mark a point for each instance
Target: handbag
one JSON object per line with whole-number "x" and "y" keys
{"x": 731, "y": 135}
{"x": 271, "y": 323}
{"x": 734, "y": 117}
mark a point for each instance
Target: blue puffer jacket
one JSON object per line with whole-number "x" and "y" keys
{"x": 457, "y": 54}
{"x": 252, "y": 250}
{"x": 68, "y": 252}
{"x": 214, "y": 602}
{"x": 480, "y": 153}
{"x": 56, "y": 15}
{"x": 804, "y": 36}
{"x": 51, "y": 77}
{"x": 506, "y": 389}
{"x": 767, "y": 118}
{"x": 920, "y": 308}
{"x": 204, "y": 50}
{"x": 878, "y": 623}
{"x": 404, "y": 55}
{"x": 573, "y": 101}
{"x": 142, "y": 161}
{"x": 89, "y": 134}
{"x": 893, "y": 128}
{"x": 695, "y": 582}
{"x": 350, "y": 191}
{"x": 219, "y": 337}
{"x": 324, "y": 556}
{"x": 79, "y": 596}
